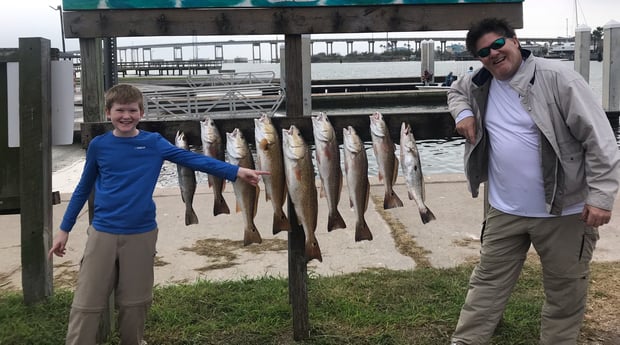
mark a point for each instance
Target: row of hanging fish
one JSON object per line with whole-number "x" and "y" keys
{"x": 289, "y": 162}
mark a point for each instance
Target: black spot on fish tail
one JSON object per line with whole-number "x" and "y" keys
{"x": 220, "y": 206}
{"x": 362, "y": 232}
{"x": 391, "y": 200}
{"x": 251, "y": 235}
{"x": 190, "y": 216}
{"x": 280, "y": 222}
{"x": 335, "y": 221}
{"x": 313, "y": 251}
{"x": 426, "y": 215}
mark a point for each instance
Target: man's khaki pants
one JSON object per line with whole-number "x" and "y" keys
{"x": 564, "y": 244}
{"x": 120, "y": 262}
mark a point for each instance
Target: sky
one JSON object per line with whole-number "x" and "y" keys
{"x": 541, "y": 18}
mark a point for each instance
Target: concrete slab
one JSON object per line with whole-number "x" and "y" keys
{"x": 448, "y": 241}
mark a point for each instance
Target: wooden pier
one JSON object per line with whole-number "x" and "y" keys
{"x": 165, "y": 68}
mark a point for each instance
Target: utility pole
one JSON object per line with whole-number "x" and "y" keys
{"x": 62, "y": 26}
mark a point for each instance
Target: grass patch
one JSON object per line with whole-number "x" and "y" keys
{"x": 373, "y": 307}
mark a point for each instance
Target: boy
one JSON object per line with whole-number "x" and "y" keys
{"x": 123, "y": 166}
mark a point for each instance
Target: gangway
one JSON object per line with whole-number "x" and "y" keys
{"x": 261, "y": 77}
{"x": 230, "y": 99}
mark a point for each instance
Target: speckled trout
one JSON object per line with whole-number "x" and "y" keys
{"x": 328, "y": 164}
{"x": 213, "y": 146}
{"x": 356, "y": 171}
{"x": 269, "y": 158}
{"x": 246, "y": 194}
{"x": 387, "y": 163}
{"x": 300, "y": 182}
{"x": 412, "y": 170}
{"x": 187, "y": 182}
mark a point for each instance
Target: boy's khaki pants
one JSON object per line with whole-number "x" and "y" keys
{"x": 120, "y": 262}
{"x": 564, "y": 244}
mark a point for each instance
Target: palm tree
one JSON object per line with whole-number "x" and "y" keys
{"x": 597, "y": 38}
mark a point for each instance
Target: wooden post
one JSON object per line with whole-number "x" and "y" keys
{"x": 93, "y": 104}
{"x": 91, "y": 79}
{"x": 35, "y": 167}
{"x": 297, "y": 262}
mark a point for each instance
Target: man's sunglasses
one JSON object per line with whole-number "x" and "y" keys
{"x": 486, "y": 51}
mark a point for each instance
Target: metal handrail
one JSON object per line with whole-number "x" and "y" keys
{"x": 236, "y": 100}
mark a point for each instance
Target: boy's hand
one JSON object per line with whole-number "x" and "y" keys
{"x": 58, "y": 247}
{"x": 250, "y": 176}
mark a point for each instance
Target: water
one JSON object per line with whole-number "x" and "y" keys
{"x": 437, "y": 156}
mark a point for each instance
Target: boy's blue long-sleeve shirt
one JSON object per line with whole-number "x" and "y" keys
{"x": 124, "y": 172}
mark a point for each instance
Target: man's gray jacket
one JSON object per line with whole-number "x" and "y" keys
{"x": 578, "y": 148}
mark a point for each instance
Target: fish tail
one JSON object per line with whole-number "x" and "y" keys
{"x": 220, "y": 206}
{"x": 280, "y": 222}
{"x": 190, "y": 216}
{"x": 427, "y": 215}
{"x": 313, "y": 251}
{"x": 251, "y": 235}
{"x": 391, "y": 200}
{"x": 335, "y": 221}
{"x": 362, "y": 232}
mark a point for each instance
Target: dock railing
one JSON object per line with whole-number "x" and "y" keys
{"x": 233, "y": 100}
{"x": 232, "y": 78}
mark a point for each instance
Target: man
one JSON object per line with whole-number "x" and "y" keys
{"x": 536, "y": 134}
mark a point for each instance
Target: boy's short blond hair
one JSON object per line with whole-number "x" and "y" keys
{"x": 123, "y": 94}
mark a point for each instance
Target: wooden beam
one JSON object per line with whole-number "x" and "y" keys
{"x": 91, "y": 79}
{"x": 297, "y": 261}
{"x": 428, "y": 125}
{"x": 310, "y": 20}
{"x": 35, "y": 168}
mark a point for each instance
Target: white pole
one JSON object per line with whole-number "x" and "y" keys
{"x": 611, "y": 75}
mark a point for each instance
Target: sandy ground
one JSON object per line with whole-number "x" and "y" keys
{"x": 213, "y": 249}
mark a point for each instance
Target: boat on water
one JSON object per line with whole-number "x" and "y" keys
{"x": 566, "y": 51}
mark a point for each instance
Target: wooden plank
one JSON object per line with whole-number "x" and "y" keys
{"x": 428, "y": 125}
{"x": 9, "y": 164}
{"x": 36, "y": 168}
{"x": 256, "y": 21}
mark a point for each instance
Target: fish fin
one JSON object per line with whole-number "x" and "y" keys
{"x": 410, "y": 195}
{"x": 220, "y": 206}
{"x": 280, "y": 222}
{"x": 313, "y": 251}
{"x": 190, "y": 216}
{"x": 367, "y": 195}
{"x": 263, "y": 144}
{"x": 362, "y": 232}
{"x": 335, "y": 221}
{"x": 391, "y": 200}
{"x": 380, "y": 176}
{"x": 267, "y": 194}
{"x": 251, "y": 235}
{"x": 223, "y": 185}
{"x": 426, "y": 215}
{"x": 256, "y": 202}
{"x": 395, "y": 173}
{"x": 322, "y": 191}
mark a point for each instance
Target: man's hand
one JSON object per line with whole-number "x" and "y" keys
{"x": 59, "y": 245}
{"x": 250, "y": 176}
{"x": 594, "y": 216}
{"x": 467, "y": 128}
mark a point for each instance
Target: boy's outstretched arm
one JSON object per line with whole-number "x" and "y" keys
{"x": 250, "y": 176}
{"x": 59, "y": 245}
